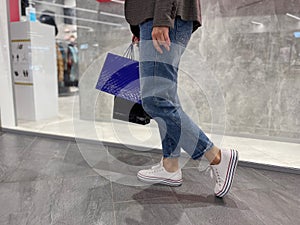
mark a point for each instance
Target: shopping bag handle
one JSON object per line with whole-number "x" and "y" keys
{"x": 129, "y": 52}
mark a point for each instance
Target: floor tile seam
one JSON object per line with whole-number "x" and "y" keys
{"x": 184, "y": 213}
{"x": 51, "y": 179}
{"x": 33, "y": 137}
{"x": 142, "y": 199}
{"x": 255, "y": 215}
{"x": 255, "y": 170}
{"x": 95, "y": 175}
{"x": 18, "y": 167}
{"x": 254, "y": 189}
{"x": 288, "y": 217}
{"x": 272, "y": 180}
{"x": 269, "y": 189}
{"x": 60, "y": 158}
{"x": 180, "y": 205}
{"x": 29, "y": 145}
{"x": 283, "y": 199}
{"x": 85, "y": 176}
{"x": 66, "y": 149}
{"x": 152, "y": 208}
{"x": 210, "y": 205}
{"x": 24, "y": 151}
{"x": 43, "y": 149}
{"x": 112, "y": 200}
{"x": 174, "y": 194}
{"x": 160, "y": 198}
{"x": 275, "y": 186}
{"x": 213, "y": 206}
{"x": 63, "y": 181}
{"x": 250, "y": 209}
{"x": 261, "y": 219}
{"x": 153, "y": 213}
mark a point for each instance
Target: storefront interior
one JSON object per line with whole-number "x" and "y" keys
{"x": 248, "y": 51}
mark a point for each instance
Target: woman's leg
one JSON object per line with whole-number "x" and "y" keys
{"x": 159, "y": 73}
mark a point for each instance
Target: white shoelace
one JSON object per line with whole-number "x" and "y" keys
{"x": 214, "y": 174}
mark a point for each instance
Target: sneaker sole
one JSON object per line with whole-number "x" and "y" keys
{"x": 158, "y": 180}
{"x": 230, "y": 174}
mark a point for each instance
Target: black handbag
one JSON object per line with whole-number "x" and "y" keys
{"x": 130, "y": 111}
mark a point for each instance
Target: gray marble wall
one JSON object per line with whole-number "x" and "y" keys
{"x": 256, "y": 67}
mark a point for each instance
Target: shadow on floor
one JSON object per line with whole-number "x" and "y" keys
{"x": 186, "y": 199}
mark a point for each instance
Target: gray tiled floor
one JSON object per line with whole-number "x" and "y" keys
{"x": 46, "y": 181}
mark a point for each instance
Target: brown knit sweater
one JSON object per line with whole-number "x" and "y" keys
{"x": 163, "y": 12}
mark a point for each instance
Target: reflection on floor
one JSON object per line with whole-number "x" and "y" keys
{"x": 277, "y": 153}
{"x": 47, "y": 181}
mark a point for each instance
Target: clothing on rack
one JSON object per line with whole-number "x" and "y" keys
{"x": 72, "y": 65}
{"x": 60, "y": 66}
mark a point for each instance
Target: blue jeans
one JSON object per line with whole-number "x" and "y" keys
{"x": 158, "y": 79}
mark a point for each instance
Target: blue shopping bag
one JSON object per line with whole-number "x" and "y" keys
{"x": 120, "y": 77}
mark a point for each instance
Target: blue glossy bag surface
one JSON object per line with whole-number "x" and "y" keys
{"x": 120, "y": 77}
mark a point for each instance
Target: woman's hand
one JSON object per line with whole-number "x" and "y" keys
{"x": 160, "y": 37}
{"x": 135, "y": 39}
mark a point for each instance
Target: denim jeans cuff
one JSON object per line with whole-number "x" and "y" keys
{"x": 209, "y": 146}
{"x": 171, "y": 156}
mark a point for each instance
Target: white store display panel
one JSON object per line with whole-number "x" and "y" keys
{"x": 21, "y": 61}
{"x": 34, "y": 70}
{"x": 7, "y": 110}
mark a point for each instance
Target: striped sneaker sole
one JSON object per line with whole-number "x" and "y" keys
{"x": 159, "y": 180}
{"x": 230, "y": 174}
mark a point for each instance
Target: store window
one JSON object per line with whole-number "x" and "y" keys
{"x": 249, "y": 49}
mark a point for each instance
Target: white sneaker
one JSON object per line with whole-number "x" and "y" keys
{"x": 158, "y": 174}
{"x": 224, "y": 171}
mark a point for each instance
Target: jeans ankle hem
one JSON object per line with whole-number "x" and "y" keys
{"x": 200, "y": 154}
{"x": 171, "y": 156}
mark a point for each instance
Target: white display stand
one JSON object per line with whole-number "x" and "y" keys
{"x": 34, "y": 70}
